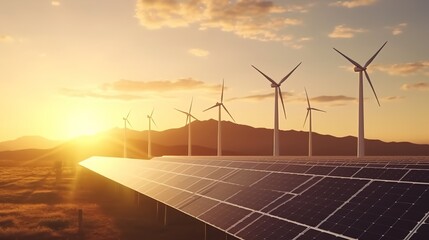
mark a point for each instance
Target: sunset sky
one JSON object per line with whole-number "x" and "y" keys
{"x": 72, "y": 67}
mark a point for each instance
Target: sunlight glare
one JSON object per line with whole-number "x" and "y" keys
{"x": 81, "y": 122}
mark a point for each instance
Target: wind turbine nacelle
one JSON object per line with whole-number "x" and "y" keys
{"x": 358, "y": 69}
{"x": 273, "y": 85}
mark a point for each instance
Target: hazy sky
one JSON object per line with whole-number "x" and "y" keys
{"x": 70, "y": 67}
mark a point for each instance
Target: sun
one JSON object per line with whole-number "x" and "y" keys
{"x": 82, "y": 123}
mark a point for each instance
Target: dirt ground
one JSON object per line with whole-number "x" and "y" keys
{"x": 40, "y": 203}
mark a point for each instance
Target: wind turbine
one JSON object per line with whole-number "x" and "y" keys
{"x": 358, "y": 68}
{"x": 149, "y": 143}
{"x": 189, "y": 117}
{"x": 309, "y": 109}
{"x": 277, "y": 93}
{"x": 219, "y": 131}
{"x": 125, "y": 132}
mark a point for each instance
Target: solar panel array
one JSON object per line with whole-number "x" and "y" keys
{"x": 287, "y": 198}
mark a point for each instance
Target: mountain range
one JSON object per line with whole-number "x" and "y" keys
{"x": 237, "y": 140}
{"x": 28, "y": 142}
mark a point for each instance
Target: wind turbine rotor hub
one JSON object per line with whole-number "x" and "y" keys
{"x": 358, "y": 69}
{"x": 274, "y": 85}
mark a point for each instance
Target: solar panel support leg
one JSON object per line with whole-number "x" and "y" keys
{"x": 157, "y": 211}
{"x": 137, "y": 198}
{"x": 165, "y": 216}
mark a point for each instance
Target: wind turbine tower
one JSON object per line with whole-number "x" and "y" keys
{"x": 277, "y": 93}
{"x": 149, "y": 141}
{"x": 125, "y": 132}
{"x": 189, "y": 117}
{"x": 309, "y": 109}
{"x": 361, "y": 70}
{"x": 219, "y": 130}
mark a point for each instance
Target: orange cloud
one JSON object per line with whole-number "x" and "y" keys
{"x": 55, "y": 3}
{"x": 353, "y": 3}
{"x": 199, "y": 52}
{"x": 398, "y": 29}
{"x": 421, "y": 86}
{"x": 337, "y": 98}
{"x": 121, "y": 89}
{"x": 159, "y": 86}
{"x": 341, "y": 31}
{"x": 392, "y": 98}
{"x": 6, "y": 39}
{"x": 404, "y": 69}
{"x": 94, "y": 94}
{"x": 252, "y": 19}
{"x": 260, "y": 97}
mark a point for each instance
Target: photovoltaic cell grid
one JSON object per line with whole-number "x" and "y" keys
{"x": 287, "y": 198}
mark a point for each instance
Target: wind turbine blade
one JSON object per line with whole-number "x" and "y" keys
{"x": 269, "y": 79}
{"x": 128, "y": 114}
{"x": 373, "y": 57}
{"x": 192, "y": 116}
{"x": 181, "y": 111}
{"x": 373, "y": 90}
{"x": 129, "y": 123}
{"x": 187, "y": 119}
{"x": 153, "y": 122}
{"x": 308, "y": 101}
{"x": 351, "y": 60}
{"x": 190, "y": 107}
{"x": 316, "y": 109}
{"x": 284, "y": 79}
{"x": 306, "y": 116}
{"x": 153, "y": 109}
{"x": 221, "y": 95}
{"x": 281, "y": 99}
{"x": 228, "y": 112}
{"x": 211, "y": 107}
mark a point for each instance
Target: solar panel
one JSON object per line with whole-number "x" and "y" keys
{"x": 270, "y": 228}
{"x": 286, "y": 198}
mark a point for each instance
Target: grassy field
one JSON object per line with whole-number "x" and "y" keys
{"x": 35, "y": 204}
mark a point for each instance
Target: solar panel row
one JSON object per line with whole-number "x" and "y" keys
{"x": 285, "y": 199}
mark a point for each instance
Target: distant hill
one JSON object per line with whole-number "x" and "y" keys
{"x": 245, "y": 140}
{"x": 28, "y": 142}
{"x": 237, "y": 140}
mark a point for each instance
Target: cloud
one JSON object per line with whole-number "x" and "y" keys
{"x": 404, "y": 69}
{"x": 353, "y": 3}
{"x": 186, "y": 84}
{"x": 421, "y": 86}
{"x": 299, "y": 8}
{"x": 252, "y": 19}
{"x": 131, "y": 90}
{"x": 341, "y": 31}
{"x": 6, "y": 39}
{"x": 336, "y": 100}
{"x": 330, "y": 99}
{"x": 95, "y": 94}
{"x": 55, "y": 3}
{"x": 260, "y": 97}
{"x": 199, "y": 52}
{"x": 392, "y": 98}
{"x": 398, "y": 29}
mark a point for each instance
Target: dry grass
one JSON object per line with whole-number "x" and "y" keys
{"x": 34, "y": 205}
